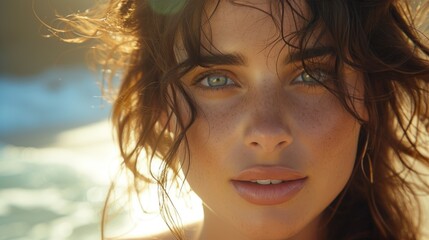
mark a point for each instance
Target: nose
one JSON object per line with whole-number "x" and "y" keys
{"x": 268, "y": 138}
{"x": 267, "y": 131}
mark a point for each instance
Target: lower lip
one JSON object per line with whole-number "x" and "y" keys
{"x": 270, "y": 194}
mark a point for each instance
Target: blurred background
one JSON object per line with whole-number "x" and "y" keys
{"x": 56, "y": 150}
{"x": 57, "y": 156}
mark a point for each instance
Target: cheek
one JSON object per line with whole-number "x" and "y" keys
{"x": 215, "y": 124}
{"x": 208, "y": 135}
{"x": 326, "y": 144}
{"x": 323, "y": 119}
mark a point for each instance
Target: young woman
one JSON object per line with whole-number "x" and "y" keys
{"x": 289, "y": 119}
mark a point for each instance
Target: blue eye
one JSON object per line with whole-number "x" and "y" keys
{"x": 216, "y": 81}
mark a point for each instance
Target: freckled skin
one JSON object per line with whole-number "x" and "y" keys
{"x": 266, "y": 121}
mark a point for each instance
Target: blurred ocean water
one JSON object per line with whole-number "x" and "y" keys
{"x": 54, "y": 99}
{"x": 48, "y": 188}
{"x": 57, "y": 159}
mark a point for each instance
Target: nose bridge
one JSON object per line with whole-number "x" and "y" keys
{"x": 267, "y": 105}
{"x": 267, "y": 128}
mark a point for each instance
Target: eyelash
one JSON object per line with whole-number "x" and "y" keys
{"x": 317, "y": 81}
{"x": 206, "y": 75}
{"x": 315, "y": 84}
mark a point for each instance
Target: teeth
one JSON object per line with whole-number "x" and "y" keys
{"x": 263, "y": 182}
{"x": 276, "y": 181}
{"x": 266, "y": 181}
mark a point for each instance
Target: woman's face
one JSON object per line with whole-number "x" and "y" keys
{"x": 270, "y": 148}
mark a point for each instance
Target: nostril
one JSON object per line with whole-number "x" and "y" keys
{"x": 254, "y": 144}
{"x": 266, "y": 146}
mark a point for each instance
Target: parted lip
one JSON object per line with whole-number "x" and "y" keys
{"x": 269, "y": 172}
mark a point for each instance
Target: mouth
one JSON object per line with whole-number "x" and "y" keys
{"x": 268, "y": 185}
{"x": 267, "y": 181}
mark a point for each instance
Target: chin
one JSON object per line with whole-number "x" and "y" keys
{"x": 275, "y": 229}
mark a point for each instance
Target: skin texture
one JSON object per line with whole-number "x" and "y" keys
{"x": 263, "y": 115}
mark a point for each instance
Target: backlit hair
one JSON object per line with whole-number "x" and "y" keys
{"x": 382, "y": 39}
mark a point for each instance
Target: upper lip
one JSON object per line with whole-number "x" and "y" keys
{"x": 269, "y": 172}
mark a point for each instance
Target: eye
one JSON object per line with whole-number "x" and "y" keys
{"x": 216, "y": 81}
{"x": 315, "y": 79}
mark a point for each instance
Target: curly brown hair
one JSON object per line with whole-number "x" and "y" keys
{"x": 384, "y": 40}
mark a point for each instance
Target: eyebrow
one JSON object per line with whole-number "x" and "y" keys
{"x": 223, "y": 59}
{"x": 309, "y": 53}
{"x": 238, "y": 59}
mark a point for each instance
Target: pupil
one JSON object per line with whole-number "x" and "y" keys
{"x": 307, "y": 77}
{"x": 217, "y": 81}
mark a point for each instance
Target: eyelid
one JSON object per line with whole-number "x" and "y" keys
{"x": 200, "y": 77}
{"x": 320, "y": 74}
{"x": 325, "y": 76}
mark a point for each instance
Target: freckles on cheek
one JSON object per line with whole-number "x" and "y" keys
{"x": 212, "y": 127}
{"x": 327, "y": 138}
{"x": 219, "y": 119}
{"x": 209, "y": 141}
{"x": 323, "y": 120}
{"x": 312, "y": 114}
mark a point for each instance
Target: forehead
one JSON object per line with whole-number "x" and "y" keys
{"x": 228, "y": 26}
{"x": 255, "y": 24}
